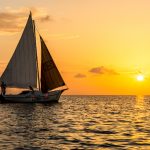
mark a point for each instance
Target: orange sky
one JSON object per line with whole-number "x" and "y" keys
{"x": 99, "y": 46}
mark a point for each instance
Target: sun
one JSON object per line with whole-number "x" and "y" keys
{"x": 140, "y": 77}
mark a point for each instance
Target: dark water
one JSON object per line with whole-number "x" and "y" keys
{"x": 77, "y": 122}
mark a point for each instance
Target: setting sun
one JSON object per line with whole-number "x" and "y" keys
{"x": 140, "y": 77}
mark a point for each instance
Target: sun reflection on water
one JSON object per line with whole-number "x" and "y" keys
{"x": 78, "y": 122}
{"x": 139, "y": 102}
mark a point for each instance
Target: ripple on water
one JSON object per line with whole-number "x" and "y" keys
{"x": 77, "y": 122}
{"x": 99, "y": 131}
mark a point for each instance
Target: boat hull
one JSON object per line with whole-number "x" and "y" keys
{"x": 37, "y": 97}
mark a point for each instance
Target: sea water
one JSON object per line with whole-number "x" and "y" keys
{"x": 77, "y": 122}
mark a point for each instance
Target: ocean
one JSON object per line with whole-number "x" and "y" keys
{"x": 77, "y": 122}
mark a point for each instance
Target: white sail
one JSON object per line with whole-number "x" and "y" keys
{"x": 21, "y": 70}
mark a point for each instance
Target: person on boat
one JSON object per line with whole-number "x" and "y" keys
{"x": 31, "y": 88}
{"x": 3, "y": 88}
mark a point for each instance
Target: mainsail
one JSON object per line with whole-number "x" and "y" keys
{"x": 21, "y": 70}
{"x": 50, "y": 76}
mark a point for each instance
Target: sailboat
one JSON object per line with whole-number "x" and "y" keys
{"x": 22, "y": 71}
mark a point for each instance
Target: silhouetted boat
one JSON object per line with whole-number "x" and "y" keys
{"x": 22, "y": 71}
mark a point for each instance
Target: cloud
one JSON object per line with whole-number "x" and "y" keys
{"x": 41, "y": 14}
{"x": 12, "y": 20}
{"x": 46, "y": 18}
{"x": 103, "y": 70}
{"x": 79, "y": 75}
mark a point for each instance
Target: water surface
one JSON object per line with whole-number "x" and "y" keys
{"x": 77, "y": 122}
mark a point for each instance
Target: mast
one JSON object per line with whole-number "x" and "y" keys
{"x": 37, "y": 66}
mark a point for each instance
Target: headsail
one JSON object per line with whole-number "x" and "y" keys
{"x": 50, "y": 76}
{"x": 21, "y": 70}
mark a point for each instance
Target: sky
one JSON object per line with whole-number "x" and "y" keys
{"x": 99, "y": 46}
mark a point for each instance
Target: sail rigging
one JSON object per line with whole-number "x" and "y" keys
{"x": 50, "y": 76}
{"x": 21, "y": 70}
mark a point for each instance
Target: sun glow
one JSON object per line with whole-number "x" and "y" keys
{"x": 140, "y": 77}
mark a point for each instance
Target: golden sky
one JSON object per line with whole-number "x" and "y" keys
{"x": 100, "y": 46}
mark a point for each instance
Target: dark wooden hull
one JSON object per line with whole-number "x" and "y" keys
{"x": 38, "y": 97}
